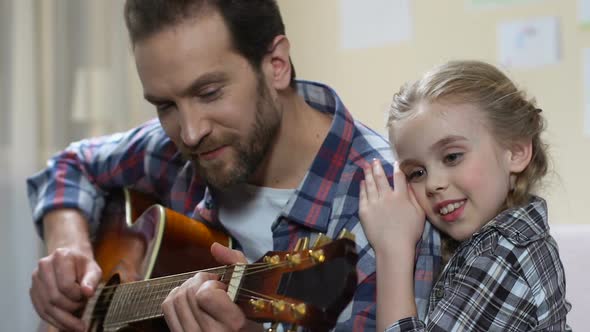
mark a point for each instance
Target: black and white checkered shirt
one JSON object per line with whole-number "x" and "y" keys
{"x": 507, "y": 277}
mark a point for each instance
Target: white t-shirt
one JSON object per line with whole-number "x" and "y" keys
{"x": 247, "y": 213}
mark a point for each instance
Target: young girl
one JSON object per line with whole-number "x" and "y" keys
{"x": 469, "y": 155}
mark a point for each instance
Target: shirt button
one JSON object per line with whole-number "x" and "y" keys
{"x": 439, "y": 293}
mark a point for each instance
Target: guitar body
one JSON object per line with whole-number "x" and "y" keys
{"x": 140, "y": 240}
{"x": 144, "y": 240}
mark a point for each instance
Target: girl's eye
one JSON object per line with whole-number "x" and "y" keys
{"x": 416, "y": 175}
{"x": 453, "y": 158}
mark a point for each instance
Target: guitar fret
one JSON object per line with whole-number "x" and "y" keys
{"x": 151, "y": 299}
{"x": 130, "y": 300}
{"x": 115, "y": 304}
{"x": 141, "y": 300}
{"x": 118, "y": 304}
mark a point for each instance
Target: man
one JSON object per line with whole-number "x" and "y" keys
{"x": 234, "y": 129}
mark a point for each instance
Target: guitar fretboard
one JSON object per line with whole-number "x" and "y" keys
{"x": 142, "y": 300}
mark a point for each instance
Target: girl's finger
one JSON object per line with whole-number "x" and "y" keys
{"x": 370, "y": 186}
{"x": 400, "y": 184}
{"x": 380, "y": 177}
{"x": 362, "y": 192}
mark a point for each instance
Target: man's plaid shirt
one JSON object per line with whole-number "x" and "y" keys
{"x": 325, "y": 202}
{"x": 507, "y": 277}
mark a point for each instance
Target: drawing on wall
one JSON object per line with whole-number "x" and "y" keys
{"x": 374, "y": 23}
{"x": 529, "y": 43}
{"x": 488, "y": 4}
{"x": 584, "y": 13}
{"x": 586, "y": 66}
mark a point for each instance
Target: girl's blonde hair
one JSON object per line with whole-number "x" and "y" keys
{"x": 511, "y": 116}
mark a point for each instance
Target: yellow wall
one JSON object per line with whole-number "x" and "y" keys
{"x": 367, "y": 78}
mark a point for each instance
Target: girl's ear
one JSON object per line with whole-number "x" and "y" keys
{"x": 521, "y": 153}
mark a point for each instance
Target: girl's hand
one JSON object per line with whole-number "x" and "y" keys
{"x": 391, "y": 217}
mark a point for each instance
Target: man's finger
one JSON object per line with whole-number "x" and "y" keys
{"x": 183, "y": 309}
{"x": 170, "y": 314}
{"x": 67, "y": 321}
{"x": 218, "y": 308}
{"x": 91, "y": 275}
{"x": 65, "y": 277}
{"x": 225, "y": 255}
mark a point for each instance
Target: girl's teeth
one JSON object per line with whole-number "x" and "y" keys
{"x": 450, "y": 208}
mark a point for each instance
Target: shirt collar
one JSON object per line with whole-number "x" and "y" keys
{"x": 524, "y": 224}
{"x": 312, "y": 205}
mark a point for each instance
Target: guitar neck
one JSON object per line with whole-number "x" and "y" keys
{"x": 142, "y": 300}
{"x": 305, "y": 287}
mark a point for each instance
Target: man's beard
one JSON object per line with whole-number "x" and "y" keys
{"x": 250, "y": 151}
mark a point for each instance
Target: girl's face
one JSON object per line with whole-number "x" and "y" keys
{"x": 456, "y": 168}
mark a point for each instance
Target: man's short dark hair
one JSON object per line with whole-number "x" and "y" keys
{"x": 253, "y": 24}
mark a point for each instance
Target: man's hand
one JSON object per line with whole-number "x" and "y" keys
{"x": 68, "y": 276}
{"x": 202, "y": 304}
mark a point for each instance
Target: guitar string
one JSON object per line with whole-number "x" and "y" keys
{"x": 185, "y": 276}
{"x": 251, "y": 271}
{"x": 158, "y": 313}
{"x": 101, "y": 310}
{"x": 108, "y": 290}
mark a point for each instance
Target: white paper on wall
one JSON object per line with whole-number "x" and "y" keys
{"x": 586, "y": 66}
{"x": 584, "y": 12}
{"x": 529, "y": 43}
{"x": 490, "y": 4}
{"x": 374, "y": 23}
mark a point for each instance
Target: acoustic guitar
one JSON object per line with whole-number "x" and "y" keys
{"x": 145, "y": 250}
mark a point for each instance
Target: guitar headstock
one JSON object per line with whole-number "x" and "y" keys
{"x": 307, "y": 287}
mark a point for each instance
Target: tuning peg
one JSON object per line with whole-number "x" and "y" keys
{"x": 293, "y": 260}
{"x": 299, "y": 310}
{"x": 278, "y": 306}
{"x": 272, "y": 259}
{"x": 345, "y": 234}
{"x": 317, "y": 255}
{"x": 273, "y": 328}
{"x": 258, "y": 304}
{"x": 302, "y": 244}
{"x": 321, "y": 240}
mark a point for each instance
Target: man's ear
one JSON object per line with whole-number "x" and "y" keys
{"x": 521, "y": 153}
{"x": 277, "y": 64}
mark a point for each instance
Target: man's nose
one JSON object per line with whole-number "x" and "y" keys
{"x": 194, "y": 125}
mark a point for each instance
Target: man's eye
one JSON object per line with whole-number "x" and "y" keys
{"x": 210, "y": 94}
{"x": 453, "y": 158}
{"x": 163, "y": 107}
